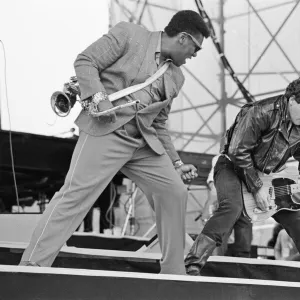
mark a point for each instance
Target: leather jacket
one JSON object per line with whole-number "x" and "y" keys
{"x": 263, "y": 139}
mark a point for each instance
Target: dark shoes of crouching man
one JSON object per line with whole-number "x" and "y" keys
{"x": 29, "y": 264}
{"x": 198, "y": 254}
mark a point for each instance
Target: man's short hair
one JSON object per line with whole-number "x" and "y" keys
{"x": 187, "y": 21}
{"x": 293, "y": 89}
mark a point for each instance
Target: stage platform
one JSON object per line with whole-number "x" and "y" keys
{"x": 141, "y": 262}
{"x": 80, "y": 272}
{"x": 28, "y": 283}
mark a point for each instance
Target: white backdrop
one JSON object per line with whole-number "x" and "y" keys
{"x": 42, "y": 39}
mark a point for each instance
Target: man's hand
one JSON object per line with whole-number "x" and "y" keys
{"x": 187, "y": 172}
{"x": 100, "y": 102}
{"x": 262, "y": 198}
{"x": 109, "y": 117}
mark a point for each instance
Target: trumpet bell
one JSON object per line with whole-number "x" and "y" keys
{"x": 61, "y": 103}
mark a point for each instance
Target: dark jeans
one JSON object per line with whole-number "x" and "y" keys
{"x": 290, "y": 220}
{"x": 242, "y": 238}
{"x": 229, "y": 214}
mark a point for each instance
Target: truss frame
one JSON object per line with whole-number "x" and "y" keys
{"x": 219, "y": 102}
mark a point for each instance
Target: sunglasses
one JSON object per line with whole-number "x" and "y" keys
{"x": 198, "y": 46}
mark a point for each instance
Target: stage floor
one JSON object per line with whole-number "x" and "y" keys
{"x": 28, "y": 283}
{"x": 142, "y": 262}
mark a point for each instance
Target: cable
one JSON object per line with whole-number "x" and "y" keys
{"x": 249, "y": 98}
{"x": 10, "y": 135}
{"x": 112, "y": 201}
{"x": 54, "y": 122}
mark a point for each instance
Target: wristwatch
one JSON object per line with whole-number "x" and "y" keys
{"x": 98, "y": 97}
{"x": 178, "y": 163}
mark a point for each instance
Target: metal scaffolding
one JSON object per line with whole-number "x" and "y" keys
{"x": 202, "y": 123}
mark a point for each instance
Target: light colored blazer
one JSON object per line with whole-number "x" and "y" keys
{"x": 117, "y": 60}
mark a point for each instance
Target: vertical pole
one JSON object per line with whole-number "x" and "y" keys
{"x": 111, "y": 212}
{"x": 132, "y": 217}
{"x": 223, "y": 102}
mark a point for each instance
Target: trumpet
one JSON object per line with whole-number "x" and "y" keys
{"x": 63, "y": 101}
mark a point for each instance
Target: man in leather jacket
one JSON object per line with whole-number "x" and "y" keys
{"x": 264, "y": 135}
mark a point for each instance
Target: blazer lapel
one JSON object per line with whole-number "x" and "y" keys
{"x": 171, "y": 88}
{"x": 148, "y": 62}
{"x": 170, "y": 91}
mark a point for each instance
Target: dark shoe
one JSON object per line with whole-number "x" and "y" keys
{"x": 198, "y": 255}
{"x": 193, "y": 270}
{"x": 29, "y": 264}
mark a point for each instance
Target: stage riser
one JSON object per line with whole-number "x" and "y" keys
{"x": 212, "y": 268}
{"x": 29, "y": 286}
{"x": 73, "y": 261}
{"x": 105, "y": 243}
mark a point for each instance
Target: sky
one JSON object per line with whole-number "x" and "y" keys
{"x": 41, "y": 41}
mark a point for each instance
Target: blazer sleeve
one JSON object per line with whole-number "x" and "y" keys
{"x": 164, "y": 136}
{"x": 99, "y": 56}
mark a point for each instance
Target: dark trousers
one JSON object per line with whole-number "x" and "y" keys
{"x": 290, "y": 220}
{"x": 229, "y": 214}
{"x": 228, "y": 187}
{"x": 242, "y": 238}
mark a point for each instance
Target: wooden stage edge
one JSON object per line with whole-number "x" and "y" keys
{"x": 18, "y": 282}
{"x": 144, "y": 256}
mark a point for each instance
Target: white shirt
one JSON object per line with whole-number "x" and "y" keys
{"x": 210, "y": 177}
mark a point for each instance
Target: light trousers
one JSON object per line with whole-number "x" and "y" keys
{"x": 95, "y": 162}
